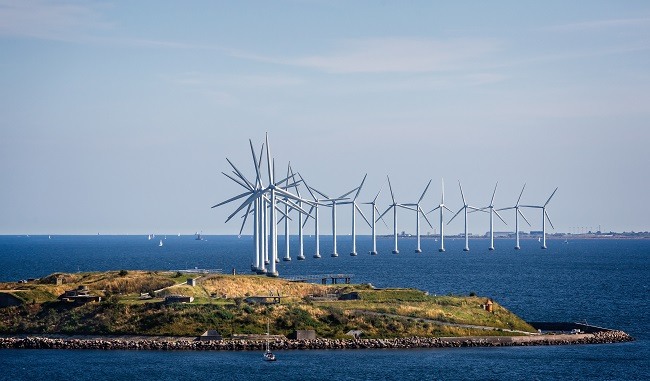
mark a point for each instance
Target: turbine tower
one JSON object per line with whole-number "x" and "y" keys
{"x": 544, "y": 217}
{"x": 463, "y": 208}
{"x": 374, "y": 220}
{"x": 393, "y": 206}
{"x": 314, "y": 208}
{"x": 418, "y": 211}
{"x": 442, "y": 208}
{"x": 268, "y": 194}
{"x": 355, "y": 209}
{"x": 492, "y": 212}
{"x": 518, "y": 212}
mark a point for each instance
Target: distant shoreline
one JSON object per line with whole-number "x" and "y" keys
{"x": 188, "y": 343}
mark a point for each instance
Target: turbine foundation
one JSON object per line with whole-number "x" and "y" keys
{"x": 441, "y": 250}
{"x": 517, "y": 247}
{"x": 466, "y": 249}
{"x": 373, "y": 253}
{"x": 395, "y": 251}
{"x": 418, "y": 250}
{"x": 335, "y": 254}
{"x": 301, "y": 257}
{"x": 316, "y": 256}
{"x": 286, "y": 259}
{"x": 272, "y": 274}
{"x": 353, "y": 254}
{"x": 491, "y": 248}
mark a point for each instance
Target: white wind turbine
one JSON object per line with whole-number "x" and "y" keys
{"x": 518, "y": 212}
{"x": 373, "y": 204}
{"x": 393, "y": 206}
{"x": 255, "y": 193}
{"x": 442, "y": 208}
{"x": 418, "y": 211}
{"x": 463, "y": 208}
{"x": 355, "y": 209}
{"x": 333, "y": 202}
{"x": 544, "y": 217}
{"x": 492, "y": 212}
{"x": 314, "y": 207}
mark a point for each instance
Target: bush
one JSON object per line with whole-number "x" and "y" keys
{"x": 123, "y": 273}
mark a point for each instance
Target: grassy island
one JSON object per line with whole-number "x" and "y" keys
{"x": 139, "y": 303}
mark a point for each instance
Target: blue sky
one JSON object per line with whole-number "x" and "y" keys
{"x": 117, "y": 117}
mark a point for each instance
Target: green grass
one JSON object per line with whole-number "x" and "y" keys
{"x": 126, "y": 313}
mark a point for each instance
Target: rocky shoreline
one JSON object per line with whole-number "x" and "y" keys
{"x": 32, "y": 342}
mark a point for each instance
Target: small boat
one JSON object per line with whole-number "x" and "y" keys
{"x": 268, "y": 355}
{"x": 198, "y": 237}
{"x": 149, "y": 237}
{"x": 539, "y": 239}
{"x": 160, "y": 244}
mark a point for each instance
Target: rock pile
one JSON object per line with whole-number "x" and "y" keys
{"x": 258, "y": 345}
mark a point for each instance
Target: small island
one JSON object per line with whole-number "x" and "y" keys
{"x": 180, "y": 310}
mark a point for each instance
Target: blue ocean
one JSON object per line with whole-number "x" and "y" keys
{"x": 603, "y": 282}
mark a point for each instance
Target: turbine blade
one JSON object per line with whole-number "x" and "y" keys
{"x": 501, "y": 218}
{"x": 362, "y": 215}
{"x": 239, "y": 174}
{"x": 434, "y": 209}
{"x": 522, "y": 192}
{"x": 461, "y": 193}
{"x": 425, "y": 191}
{"x": 375, "y": 199}
{"x": 307, "y": 186}
{"x": 425, "y": 217}
{"x": 450, "y": 211}
{"x": 268, "y": 159}
{"x": 494, "y": 193}
{"x": 245, "y": 218}
{"x": 389, "y": 208}
{"x": 524, "y": 217}
{"x": 549, "y": 219}
{"x": 258, "y": 181}
{"x": 360, "y": 186}
{"x": 380, "y": 217}
{"x": 391, "y": 189}
{"x": 237, "y": 181}
{"x": 458, "y": 212}
{"x": 250, "y": 199}
{"x": 549, "y": 199}
{"x": 232, "y": 199}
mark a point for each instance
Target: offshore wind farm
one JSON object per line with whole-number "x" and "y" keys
{"x": 266, "y": 197}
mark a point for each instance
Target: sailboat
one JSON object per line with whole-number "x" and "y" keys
{"x": 149, "y": 237}
{"x": 160, "y": 244}
{"x": 268, "y": 355}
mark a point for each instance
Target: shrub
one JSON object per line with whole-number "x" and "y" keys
{"x": 123, "y": 273}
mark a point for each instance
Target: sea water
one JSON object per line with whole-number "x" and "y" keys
{"x": 603, "y": 282}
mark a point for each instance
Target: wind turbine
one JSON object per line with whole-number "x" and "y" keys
{"x": 333, "y": 202}
{"x": 269, "y": 193}
{"x": 316, "y": 203}
{"x": 374, "y": 220}
{"x": 492, "y": 212}
{"x": 517, "y": 213}
{"x": 442, "y": 208}
{"x": 463, "y": 208}
{"x": 355, "y": 208}
{"x": 418, "y": 211}
{"x": 393, "y": 206}
{"x": 544, "y": 217}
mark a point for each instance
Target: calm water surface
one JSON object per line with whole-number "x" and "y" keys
{"x": 603, "y": 282}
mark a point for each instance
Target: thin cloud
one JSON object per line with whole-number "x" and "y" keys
{"x": 601, "y": 24}
{"x": 47, "y": 20}
{"x": 391, "y": 55}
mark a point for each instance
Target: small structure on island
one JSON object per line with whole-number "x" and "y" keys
{"x": 488, "y": 305}
{"x": 303, "y": 334}
{"x": 81, "y": 295}
{"x": 58, "y": 280}
{"x": 264, "y": 299}
{"x": 178, "y": 299}
{"x": 191, "y": 282}
{"x": 210, "y": 335}
{"x": 356, "y": 333}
